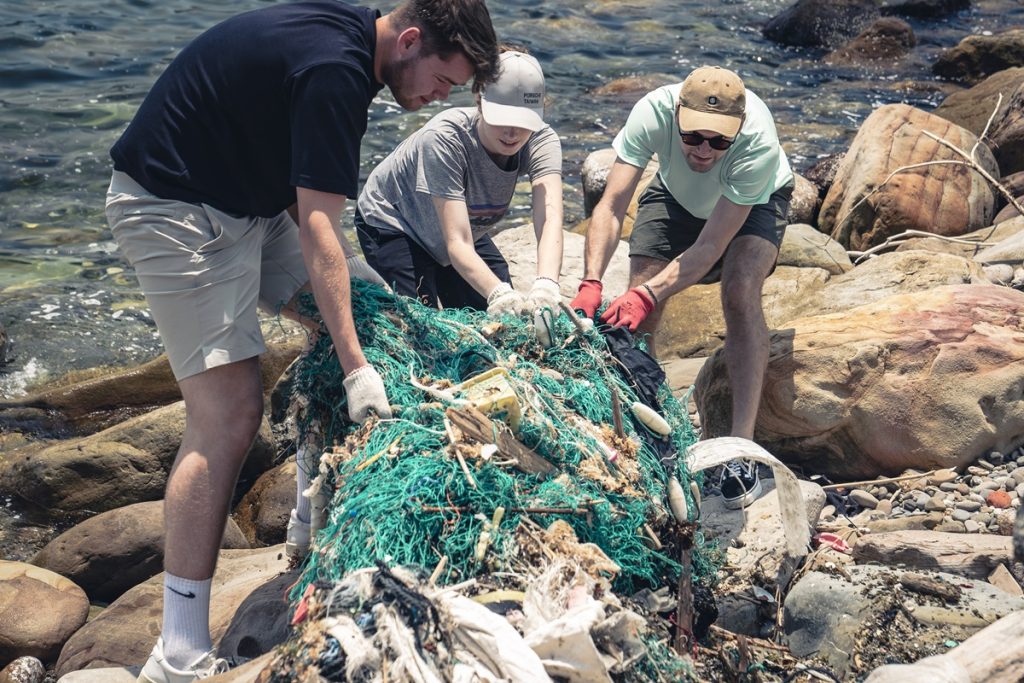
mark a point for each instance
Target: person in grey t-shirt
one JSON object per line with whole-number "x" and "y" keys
{"x": 425, "y": 212}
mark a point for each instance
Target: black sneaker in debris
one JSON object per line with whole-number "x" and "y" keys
{"x": 740, "y": 483}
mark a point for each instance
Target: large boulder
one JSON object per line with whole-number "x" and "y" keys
{"x": 39, "y": 611}
{"x": 820, "y": 23}
{"x": 1007, "y": 136}
{"x": 248, "y": 614}
{"x": 262, "y": 514}
{"x": 884, "y": 41}
{"x": 924, "y": 380}
{"x": 85, "y": 404}
{"x": 972, "y": 107}
{"x": 115, "y": 550}
{"x": 978, "y": 56}
{"x": 629, "y": 89}
{"x": 806, "y": 200}
{"x": 594, "y": 176}
{"x": 869, "y": 201}
{"x": 121, "y": 465}
{"x": 693, "y": 324}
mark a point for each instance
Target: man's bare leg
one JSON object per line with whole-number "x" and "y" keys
{"x": 641, "y": 269}
{"x": 748, "y": 262}
{"x": 223, "y": 411}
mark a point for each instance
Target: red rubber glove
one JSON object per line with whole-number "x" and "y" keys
{"x": 588, "y": 298}
{"x": 629, "y": 310}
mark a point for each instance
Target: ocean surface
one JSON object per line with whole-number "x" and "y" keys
{"x": 72, "y": 73}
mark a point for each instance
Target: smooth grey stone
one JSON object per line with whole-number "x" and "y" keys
{"x": 961, "y": 515}
{"x": 968, "y": 505}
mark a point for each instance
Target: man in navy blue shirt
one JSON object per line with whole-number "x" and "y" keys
{"x": 227, "y": 192}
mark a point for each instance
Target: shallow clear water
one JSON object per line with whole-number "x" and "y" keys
{"x": 73, "y": 71}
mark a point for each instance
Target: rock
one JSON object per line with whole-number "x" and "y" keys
{"x": 971, "y": 108}
{"x": 519, "y": 245}
{"x": 885, "y": 40}
{"x": 823, "y": 172}
{"x": 935, "y": 504}
{"x": 751, "y": 539}
{"x": 105, "y": 398}
{"x": 75, "y": 476}
{"x": 631, "y": 88}
{"x": 924, "y": 380}
{"x": 925, "y": 9}
{"x": 262, "y": 514}
{"x": 906, "y": 523}
{"x": 985, "y": 238}
{"x": 884, "y": 506}
{"x": 594, "y": 176}
{"x": 998, "y": 499}
{"x": 942, "y": 476}
{"x": 820, "y": 23}
{"x": 978, "y": 56}
{"x": 971, "y": 556}
{"x": 39, "y": 611}
{"x": 115, "y": 550}
{"x": 864, "y": 499}
{"x": 23, "y": 670}
{"x": 999, "y": 274}
{"x": 693, "y": 325}
{"x": 1002, "y": 579}
{"x": 805, "y": 247}
{"x": 861, "y": 210}
{"x": 829, "y": 616}
{"x": 1007, "y": 136}
{"x": 806, "y": 200}
{"x": 247, "y": 614}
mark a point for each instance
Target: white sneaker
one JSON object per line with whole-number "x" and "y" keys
{"x": 158, "y": 670}
{"x": 296, "y": 543}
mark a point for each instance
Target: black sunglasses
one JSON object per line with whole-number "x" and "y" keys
{"x": 718, "y": 142}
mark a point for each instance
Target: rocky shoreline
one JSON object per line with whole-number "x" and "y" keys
{"x": 893, "y": 390}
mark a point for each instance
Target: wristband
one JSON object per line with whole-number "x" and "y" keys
{"x": 647, "y": 288}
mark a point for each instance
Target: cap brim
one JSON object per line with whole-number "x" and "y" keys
{"x": 507, "y": 115}
{"x": 691, "y": 120}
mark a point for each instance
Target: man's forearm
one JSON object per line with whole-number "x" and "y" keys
{"x": 328, "y": 275}
{"x": 602, "y": 237}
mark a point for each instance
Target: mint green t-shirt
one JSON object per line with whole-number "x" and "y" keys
{"x": 749, "y": 172}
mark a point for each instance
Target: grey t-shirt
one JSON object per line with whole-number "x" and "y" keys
{"x": 445, "y": 158}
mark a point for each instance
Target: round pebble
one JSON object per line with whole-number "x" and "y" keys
{"x": 986, "y": 464}
{"x": 972, "y": 527}
{"x": 884, "y": 506}
{"x": 1018, "y": 475}
{"x": 864, "y": 499}
{"x": 998, "y": 499}
{"x": 947, "y": 486}
{"x": 935, "y": 503}
{"x": 961, "y": 515}
{"x": 968, "y": 505}
{"x": 943, "y": 476}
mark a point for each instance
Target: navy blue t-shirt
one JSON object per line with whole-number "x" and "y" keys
{"x": 258, "y": 105}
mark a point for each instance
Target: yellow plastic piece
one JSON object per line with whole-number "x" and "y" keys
{"x": 491, "y": 392}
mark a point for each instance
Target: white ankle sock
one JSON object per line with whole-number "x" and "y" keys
{"x": 302, "y": 464}
{"x": 186, "y": 631}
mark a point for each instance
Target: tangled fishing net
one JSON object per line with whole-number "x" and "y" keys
{"x": 510, "y": 475}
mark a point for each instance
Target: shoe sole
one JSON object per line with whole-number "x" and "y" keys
{"x": 746, "y": 499}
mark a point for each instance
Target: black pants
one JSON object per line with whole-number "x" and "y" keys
{"x": 411, "y": 271}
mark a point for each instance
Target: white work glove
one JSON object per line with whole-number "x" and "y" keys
{"x": 365, "y": 391}
{"x": 504, "y": 299}
{"x": 544, "y": 294}
{"x": 359, "y": 269}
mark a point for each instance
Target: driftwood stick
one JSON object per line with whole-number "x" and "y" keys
{"x": 684, "y": 598}
{"x": 889, "y": 480}
{"x": 617, "y": 413}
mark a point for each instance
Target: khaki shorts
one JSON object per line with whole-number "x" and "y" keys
{"x": 204, "y": 272}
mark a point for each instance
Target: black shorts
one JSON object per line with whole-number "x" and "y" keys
{"x": 411, "y": 271}
{"x": 663, "y": 229}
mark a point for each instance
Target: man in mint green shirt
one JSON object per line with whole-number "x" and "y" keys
{"x": 715, "y": 211}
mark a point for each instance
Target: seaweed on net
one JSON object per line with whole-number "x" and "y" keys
{"x": 400, "y": 495}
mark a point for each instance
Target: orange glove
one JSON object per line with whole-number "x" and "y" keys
{"x": 629, "y": 310}
{"x": 588, "y": 298}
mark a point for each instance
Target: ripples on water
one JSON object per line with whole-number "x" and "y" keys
{"x": 72, "y": 73}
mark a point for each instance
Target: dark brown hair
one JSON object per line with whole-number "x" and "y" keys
{"x": 450, "y": 26}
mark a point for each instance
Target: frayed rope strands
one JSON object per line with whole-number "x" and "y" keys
{"x": 400, "y": 494}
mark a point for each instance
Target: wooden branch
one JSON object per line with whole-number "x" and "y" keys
{"x": 478, "y": 427}
{"x": 889, "y": 480}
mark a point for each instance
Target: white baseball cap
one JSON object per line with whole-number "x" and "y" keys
{"x": 517, "y": 97}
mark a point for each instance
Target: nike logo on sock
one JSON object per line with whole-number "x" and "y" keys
{"x": 188, "y": 595}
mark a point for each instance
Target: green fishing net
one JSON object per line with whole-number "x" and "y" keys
{"x": 399, "y": 493}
